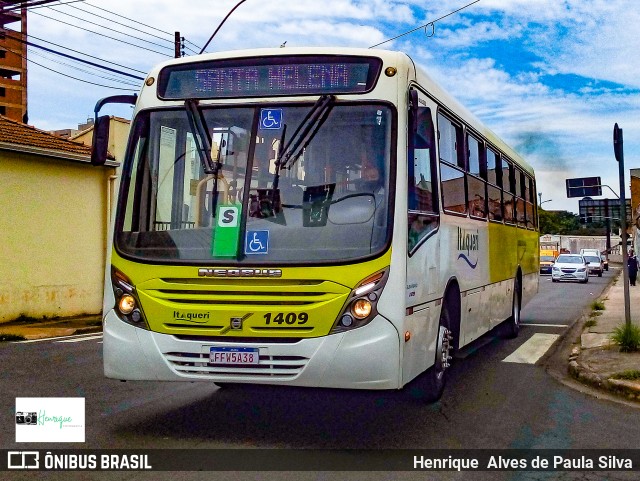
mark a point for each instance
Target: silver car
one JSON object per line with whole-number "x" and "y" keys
{"x": 570, "y": 267}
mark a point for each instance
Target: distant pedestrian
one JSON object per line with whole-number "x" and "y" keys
{"x": 632, "y": 266}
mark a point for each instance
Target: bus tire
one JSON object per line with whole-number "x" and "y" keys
{"x": 512, "y": 324}
{"x": 429, "y": 386}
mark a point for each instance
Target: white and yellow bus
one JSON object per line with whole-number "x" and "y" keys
{"x": 323, "y": 217}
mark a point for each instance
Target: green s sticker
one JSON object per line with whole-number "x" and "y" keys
{"x": 226, "y": 231}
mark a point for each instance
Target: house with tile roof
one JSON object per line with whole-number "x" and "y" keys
{"x": 54, "y": 224}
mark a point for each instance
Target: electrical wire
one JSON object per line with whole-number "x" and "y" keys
{"x": 81, "y": 80}
{"x": 75, "y": 67}
{"x": 19, "y": 55}
{"x": 137, "y": 22}
{"x": 114, "y": 30}
{"x": 124, "y": 24}
{"x": 27, "y": 5}
{"x": 56, "y": 5}
{"x": 112, "y": 21}
{"x": 425, "y": 25}
{"x": 31, "y": 44}
{"x": 98, "y": 33}
{"x": 82, "y": 53}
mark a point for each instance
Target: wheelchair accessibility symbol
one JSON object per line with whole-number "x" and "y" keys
{"x": 270, "y": 119}
{"x": 257, "y": 242}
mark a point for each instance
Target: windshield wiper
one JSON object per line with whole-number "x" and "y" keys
{"x": 203, "y": 146}
{"x": 288, "y": 154}
{"x": 201, "y": 136}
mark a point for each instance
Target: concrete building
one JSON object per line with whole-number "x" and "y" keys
{"x": 54, "y": 224}
{"x": 13, "y": 61}
{"x": 118, "y": 136}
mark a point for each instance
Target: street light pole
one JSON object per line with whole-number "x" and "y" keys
{"x": 540, "y": 202}
{"x": 619, "y": 153}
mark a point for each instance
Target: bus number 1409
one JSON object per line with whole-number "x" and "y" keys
{"x": 286, "y": 318}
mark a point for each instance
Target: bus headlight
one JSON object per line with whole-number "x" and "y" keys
{"x": 360, "y": 307}
{"x": 127, "y": 304}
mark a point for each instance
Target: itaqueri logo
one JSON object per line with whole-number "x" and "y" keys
{"x": 54, "y": 420}
{"x": 468, "y": 246}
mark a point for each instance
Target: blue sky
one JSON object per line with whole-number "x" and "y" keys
{"x": 550, "y": 77}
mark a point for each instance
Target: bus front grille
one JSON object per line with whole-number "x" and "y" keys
{"x": 243, "y": 292}
{"x": 282, "y": 367}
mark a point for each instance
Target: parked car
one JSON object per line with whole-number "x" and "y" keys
{"x": 594, "y": 263}
{"x": 605, "y": 262}
{"x": 570, "y": 267}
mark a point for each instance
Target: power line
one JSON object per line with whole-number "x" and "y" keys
{"x": 109, "y": 28}
{"x": 27, "y": 5}
{"x": 75, "y": 67}
{"x": 432, "y": 23}
{"x": 120, "y": 23}
{"x": 82, "y": 53}
{"x": 136, "y": 21}
{"x": 98, "y": 33}
{"x": 81, "y": 80}
{"x": 66, "y": 75}
{"x": 113, "y": 21}
{"x": 31, "y": 44}
{"x": 56, "y": 5}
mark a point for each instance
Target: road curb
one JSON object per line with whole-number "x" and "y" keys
{"x": 628, "y": 389}
{"x": 582, "y": 373}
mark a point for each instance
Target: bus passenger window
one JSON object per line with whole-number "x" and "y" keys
{"x": 452, "y": 179}
{"x": 476, "y": 190}
{"x": 422, "y": 200}
{"x": 453, "y": 190}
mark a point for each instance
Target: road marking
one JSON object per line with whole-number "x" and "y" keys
{"x": 53, "y": 338}
{"x": 80, "y": 339}
{"x": 543, "y": 325}
{"x": 533, "y": 349}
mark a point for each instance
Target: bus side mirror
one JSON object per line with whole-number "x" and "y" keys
{"x": 100, "y": 142}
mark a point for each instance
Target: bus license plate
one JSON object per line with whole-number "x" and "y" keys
{"x": 234, "y": 355}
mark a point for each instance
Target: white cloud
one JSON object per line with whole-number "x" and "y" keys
{"x": 569, "y": 129}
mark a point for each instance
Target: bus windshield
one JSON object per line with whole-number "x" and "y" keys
{"x": 330, "y": 203}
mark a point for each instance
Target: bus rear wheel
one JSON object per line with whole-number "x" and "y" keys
{"x": 512, "y": 325}
{"x": 429, "y": 386}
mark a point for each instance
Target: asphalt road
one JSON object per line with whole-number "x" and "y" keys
{"x": 488, "y": 403}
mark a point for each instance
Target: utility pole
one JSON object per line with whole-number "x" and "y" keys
{"x": 619, "y": 153}
{"x": 177, "y": 45}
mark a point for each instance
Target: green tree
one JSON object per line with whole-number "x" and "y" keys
{"x": 560, "y": 222}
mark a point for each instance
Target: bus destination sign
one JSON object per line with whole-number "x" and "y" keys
{"x": 268, "y": 77}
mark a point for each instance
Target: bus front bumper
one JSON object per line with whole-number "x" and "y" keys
{"x": 364, "y": 358}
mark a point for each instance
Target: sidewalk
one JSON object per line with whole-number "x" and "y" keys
{"x": 31, "y": 329}
{"x": 596, "y": 358}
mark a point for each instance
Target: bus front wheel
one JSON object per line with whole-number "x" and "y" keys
{"x": 429, "y": 386}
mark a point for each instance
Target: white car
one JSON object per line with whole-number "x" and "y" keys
{"x": 594, "y": 263}
{"x": 570, "y": 267}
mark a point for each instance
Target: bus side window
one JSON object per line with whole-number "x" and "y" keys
{"x": 452, "y": 166}
{"x": 422, "y": 201}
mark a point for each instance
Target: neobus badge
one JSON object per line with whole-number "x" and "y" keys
{"x": 204, "y": 272}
